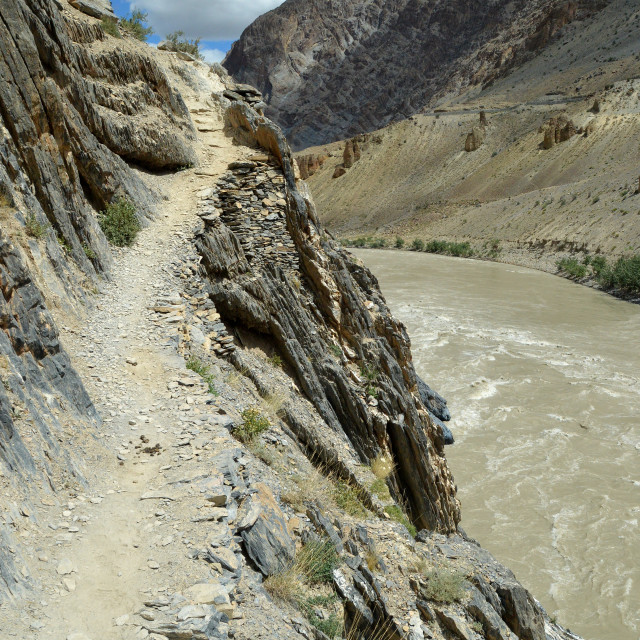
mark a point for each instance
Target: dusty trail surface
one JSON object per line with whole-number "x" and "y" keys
{"x": 111, "y": 546}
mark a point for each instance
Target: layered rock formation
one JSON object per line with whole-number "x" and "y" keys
{"x": 329, "y": 70}
{"x": 280, "y": 275}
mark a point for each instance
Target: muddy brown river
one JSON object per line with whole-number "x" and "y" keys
{"x": 543, "y": 381}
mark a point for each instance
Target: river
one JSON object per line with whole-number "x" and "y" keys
{"x": 543, "y": 381}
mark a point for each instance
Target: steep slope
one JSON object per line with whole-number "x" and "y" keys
{"x": 330, "y": 69}
{"x": 416, "y": 180}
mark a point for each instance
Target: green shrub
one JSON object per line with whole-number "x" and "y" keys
{"x": 598, "y": 264}
{"x": 336, "y": 350}
{"x": 88, "y": 251}
{"x": 444, "y": 586}
{"x": 380, "y": 488}
{"x": 35, "y": 228}
{"x": 572, "y": 267}
{"x": 624, "y": 274}
{"x": 360, "y": 242}
{"x": 318, "y": 560}
{"x": 136, "y": 25}
{"x": 346, "y": 498}
{"x": 181, "y": 43}
{"x": 398, "y": 515}
{"x": 378, "y": 243}
{"x": 399, "y": 242}
{"x": 253, "y": 424}
{"x": 276, "y": 361}
{"x": 417, "y": 245}
{"x": 197, "y": 366}
{"x": 119, "y": 223}
{"x": 457, "y": 249}
{"x": 110, "y": 27}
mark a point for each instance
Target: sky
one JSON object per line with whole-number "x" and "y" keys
{"x": 217, "y": 22}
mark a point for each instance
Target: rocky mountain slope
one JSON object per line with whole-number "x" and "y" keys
{"x": 217, "y": 432}
{"x": 332, "y": 69}
{"x": 538, "y": 199}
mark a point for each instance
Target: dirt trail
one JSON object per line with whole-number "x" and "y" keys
{"x": 113, "y": 555}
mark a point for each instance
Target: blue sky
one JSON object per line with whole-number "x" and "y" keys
{"x": 218, "y": 23}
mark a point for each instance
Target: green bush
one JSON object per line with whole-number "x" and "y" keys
{"x": 180, "y": 43}
{"x": 346, "y": 498}
{"x": 398, "y": 515}
{"x": 572, "y": 267}
{"x": 136, "y": 25}
{"x": 399, "y": 242}
{"x": 458, "y": 249}
{"x": 35, "y": 228}
{"x": 119, "y": 223}
{"x": 276, "y": 361}
{"x": 598, "y": 264}
{"x": 417, "y": 245}
{"x": 253, "y": 424}
{"x": 197, "y": 366}
{"x": 318, "y": 560}
{"x": 360, "y": 242}
{"x": 624, "y": 274}
{"x": 444, "y": 586}
{"x": 110, "y": 27}
{"x": 378, "y": 243}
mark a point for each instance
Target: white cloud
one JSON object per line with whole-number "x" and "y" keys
{"x": 212, "y": 55}
{"x": 205, "y": 19}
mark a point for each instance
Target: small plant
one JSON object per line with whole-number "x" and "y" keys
{"x": 111, "y": 27}
{"x": 276, "y": 361}
{"x": 346, "y": 497}
{"x": 119, "y": 223}
{"x": 399, "y": 242}
{"x": 313, "y": 565}
{"x": 378, "y": 243}
{"x": 336, "y": 350}
{"x": 417, "y": 245}
{"x": 372, "y": 559}
{"x": 273, "y": 403}
{"x": 88, "y": 251}
{"x": 253, "y": 424}
{"x": 382, "y": 466}
{"x": 598, "y": 264}
{"x": 197, "y": 366}
{"x": 398, "y": 515}
{"x": 136, "y": 25}
{"x": 444, "y": 586}
{"x": 35, "y": 228}
{"x": 64, "y": 245}
{"x": 360, "y": 242}
{"x": 181, "y": 43}
{"x": 370, "y": 374}
{"x": 380, "y": 488}
{"x": 476, "y": 625}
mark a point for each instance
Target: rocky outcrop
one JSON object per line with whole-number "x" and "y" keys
{"x": 474, "y": 139}
{"x": 558, "y": 130}
{"x": 330, "y": 70}
{"x": 101, "y": 9}
{"x": 327, "y": 318}
{"x": 308, "y": 164}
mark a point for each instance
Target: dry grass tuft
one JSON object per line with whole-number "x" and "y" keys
{"x": 273, "y": 403}
{"x": 382, "y": 467}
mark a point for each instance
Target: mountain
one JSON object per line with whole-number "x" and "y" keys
{"x": 542, "y": 161}
{"x": 330, "y": 69}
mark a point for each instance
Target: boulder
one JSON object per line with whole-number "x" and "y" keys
{"x": 348, "y": 155}
{"x": 265, "y": 534}
{"x": 100, "y": 9}
{"x": 339, "y": 172}
{"x": 520, "y": 612}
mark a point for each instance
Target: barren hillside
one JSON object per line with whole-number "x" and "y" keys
{"x": 519, "y": 186}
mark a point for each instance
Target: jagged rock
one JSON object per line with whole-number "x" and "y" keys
{"x": 474, "y": 139}
{"x": 303, "y": 325}
{"x": 455, "y": 623}
{"x": 520, "y": 612}
{"x": 347, "y": 155}
{"x": 95, "y": 8}
{"x": 266, "y": 539}
{"x": 434, "y": 402}
{"x": 492, "y": 624}
{"x": 596, "y": 106}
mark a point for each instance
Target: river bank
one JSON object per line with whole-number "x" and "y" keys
{"x": 578, "y": 266}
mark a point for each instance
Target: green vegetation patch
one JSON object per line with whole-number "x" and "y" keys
{"x": 197, "y": 366}
{"x": 253, "y": 424}
{"x": 110, "y": 27}
{"x": 35, "y": 228}
{"x": 181, "y": 43}
{"x": 572, "y": 267}
{"x": 347, "y": 498}
{"x": 136, "y": 25}
{"x": 398, "y": 515}
{"x": 444, "y": 586}
{"x": 624, "y": 274}
{"x": 458, "y": 249}
{"x": 119, "y": 223}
